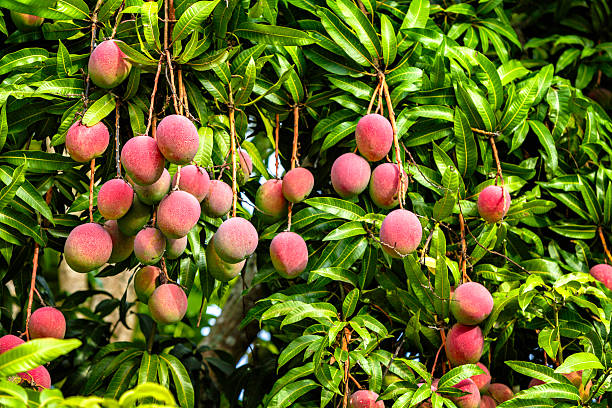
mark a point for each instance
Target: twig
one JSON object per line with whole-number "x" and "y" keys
{"x": 32, "y": 287}
{"x": 233, "y": 150}
{"x": 603, "y": 242}
{"x": 276, "y": 132}
{"x": 180, "y": 89}
{"x": 152, "y": 103}
{"x": 398, "y": 157}
{"x": 92, "y": 173}
{"x": 294, "y": 154}
{"x": 164, "y": 278}
{"x": 433, "y": 368}
{"x": 346, "y": 338}
{"x": 463, "y": 262}
{"x": 118, "y": 19}
{"x": 151, "y": 338}
{"x": 374, "y": 94}
{"x": 117, "y": 141}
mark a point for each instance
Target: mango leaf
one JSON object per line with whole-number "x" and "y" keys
{"x": 417, "y": 14}
{"x": 192, "y": 18}
{"x": 340, "y": 208}
{"x": 17, "y": 179}
{"x": 33, "y": 354}
{"x": 22, "y": 58}
{"x": 180, "y": 377}
{"x": 579, "y": 362}
{"x": 99, "y": 110}
{"x": 273, "y": 35}
{"x": 150, "y": 25}
{"x": 362, "y": 27}
{"x": 388, "y": 40}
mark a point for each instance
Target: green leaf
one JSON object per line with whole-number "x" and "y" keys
{"x": 493, "y": 83}
{"x": 273, "y": 35}
{"x": 360, "y": 24}
{"x": 349, "y": 229}
{"x": 17, "y": 179}
{"x": 27, "y": 193}
{"x": 389, "y": 41}
{"x": 150, "y": 25}
{"x": 417, "y": 15}
{"x": 22, "y": 58}
{"x": 3, "y": 127}
{"x": 590, "y": 200}
{"x": 120, "y": 381}
{"x": 458, "y": 374}
{"x": 295, "y": 348}
{"x": 540, "y": 372}
{"x": 289, "y": 394}
{"x": 180, "y": 377}
{"x": 517, "y": 107}
{"x": 99, "y": 110}
{"x": 547, "y": 141}
{"x": 148, "y": 368}
{"x": 344, "y": 37}
{"x": 64, "y": 63}
{"x": 33, "y": 354}
{"x": 192, "y": 18}
{"x": 340, "y": 208}
{"x": 350, "y": 303}
{"x": 547, "y": 339}
{"x": 476, "y": 107}
{"x": 465, "y": 144}
{"x": 552, "y": 390}
{"x": 579, "y": 362}
{"x": 336, "y": 274}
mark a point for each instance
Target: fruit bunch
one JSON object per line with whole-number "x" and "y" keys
{"x": 44, "y": 322}
{"x": 150, "y": 213}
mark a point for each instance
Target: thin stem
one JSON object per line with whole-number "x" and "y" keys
{"x": 346, "y": 338}
{"x": 558, "y": 336}
{"x": 117, "y": 141}
{"x": 152, "y": 103}
{"x": 118, "y": 19}
{"x": 172, "y": 88}
{"x": 151, "y": 338}
{"x": 181, "y": 90}
{"x": 92, "y": 44}
{"x": 498, "y": 175}
{"x": 296, "y": 123}
{"x": 32, "y": 287}
{"x": 276, "y": 132}
{"x": 373, "y": 98}
{"x": 92, "y": 174}
{"x": 443, "y": 336}
{"x": 398, "y": 157}
{"x": 233, "y": 152}
{"x": 294, "y": 155}
{"x": 463, "y": 262}
{"x": 603, "y": 242}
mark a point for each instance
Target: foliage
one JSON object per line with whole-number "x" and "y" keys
{"x": 463, "y": 78}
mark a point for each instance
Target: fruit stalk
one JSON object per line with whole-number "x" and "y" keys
{"x": 276, "y": 132}
{"x": 32, "y": 287}
{"x": 233, "y": 153}
{"x": 294, "y": 154}
{"x": 118, "y": 19}
{"x": 92, "y": 174}
{"x": 117, "y": 142}
{"x": 603, "y": 242}
{"x": 152, "y": 104}
{"x": 463, "y": 262}
{"x": 398, "y": 158}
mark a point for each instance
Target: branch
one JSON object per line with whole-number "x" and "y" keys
{"x": 32, "y": 288}
{"x": 398, "y": 157}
